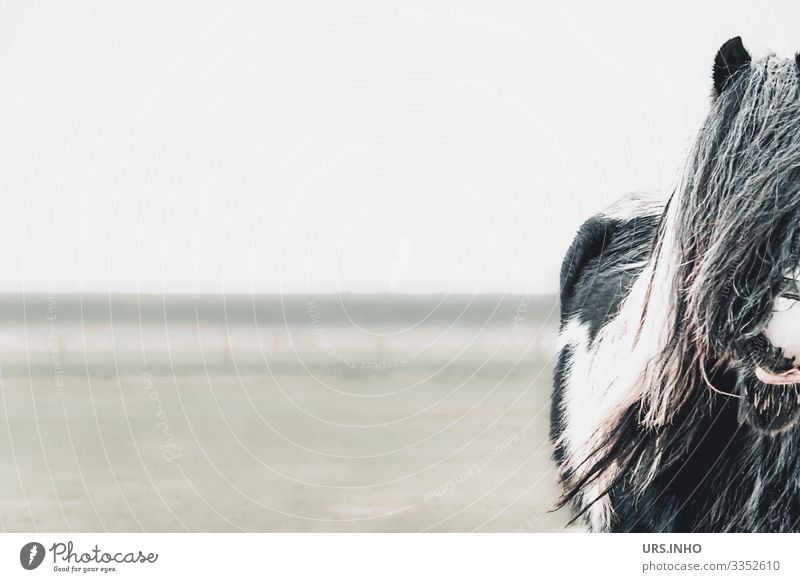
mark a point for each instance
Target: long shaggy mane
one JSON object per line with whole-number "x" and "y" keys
{"x": 724, "y": 242}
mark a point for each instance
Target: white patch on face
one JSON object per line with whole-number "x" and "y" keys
{"x": 783, "y": 330}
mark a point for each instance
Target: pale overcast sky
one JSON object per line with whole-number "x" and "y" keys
{"x": 340, "y": 146}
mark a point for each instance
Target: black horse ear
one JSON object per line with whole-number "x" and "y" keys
{"x": 731, "y": 58}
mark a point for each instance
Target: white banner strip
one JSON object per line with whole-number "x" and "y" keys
{"x": 415, "y": 557}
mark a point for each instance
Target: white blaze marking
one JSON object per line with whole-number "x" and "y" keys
{"x": 783, "y": 330}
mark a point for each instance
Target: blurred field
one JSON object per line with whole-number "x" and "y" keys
{"x": 354, "y": 413}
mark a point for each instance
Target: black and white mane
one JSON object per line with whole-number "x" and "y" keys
{"x": 676, "y": 393}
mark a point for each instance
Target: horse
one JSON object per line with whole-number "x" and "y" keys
{"x": 677, "y": 381}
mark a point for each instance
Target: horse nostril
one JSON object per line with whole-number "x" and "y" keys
{"x": 771, "y": 357}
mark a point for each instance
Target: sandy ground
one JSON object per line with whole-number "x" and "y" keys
{"x": 117, "y": 428}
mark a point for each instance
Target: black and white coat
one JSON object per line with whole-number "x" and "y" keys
{"x": 676, "y": 393}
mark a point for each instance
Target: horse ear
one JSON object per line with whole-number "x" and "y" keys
{"x": 731, "y": 58}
